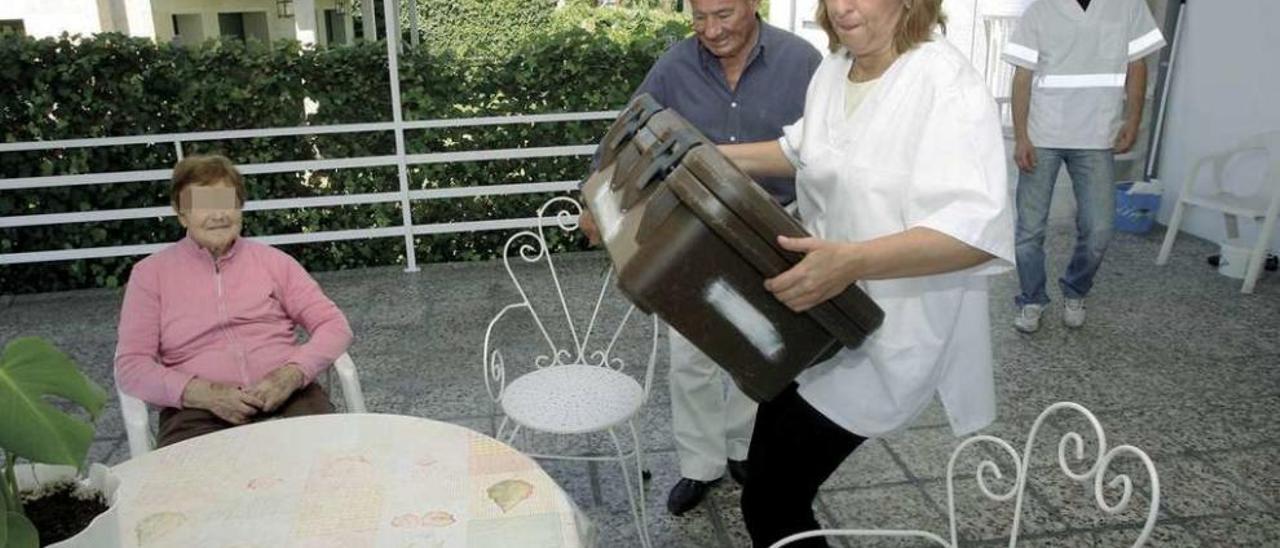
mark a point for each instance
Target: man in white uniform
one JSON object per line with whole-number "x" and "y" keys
{"x": 1078, "y": 93}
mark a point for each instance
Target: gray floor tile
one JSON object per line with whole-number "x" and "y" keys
{"x": 1257, "y": 470}
{"x": 1172, "y": 536}
{"x": 885, "y": 507}
{"x": 979, "y": 517}
{"x": 1074, "y": 504}
{"x": 383, "y": 400}
{"x": 1197, "y": 426}
{"x": 736, "y": 530}
{"x": 1162, "y": 535}
{"x": 870, "y": 464}
{"x": 925, "y": 452}
{"x": 1189, "y": 487}
{"x": 1025, "y": 386}
{"x": 1239, "y": 530}
{"x": 694, "y": 528}
{"x": 1044, "y": 451}
{"x": 933, "y": 415}
{"x": 1233, "y": 377}
{"x": 108, "y": 451}
{"x": 727, "y": 500}
{"x": 1061, "y": 540}
{"x": 110, "y": 423}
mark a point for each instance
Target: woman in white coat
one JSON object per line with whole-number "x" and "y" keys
{"x": 900, "y": 177}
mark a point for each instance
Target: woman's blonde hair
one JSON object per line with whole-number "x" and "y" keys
{"x": 914, "y": 27}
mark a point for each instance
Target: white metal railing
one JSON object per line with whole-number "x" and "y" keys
{"x": 401, "y": 159}
{"x": 404, "y": 195}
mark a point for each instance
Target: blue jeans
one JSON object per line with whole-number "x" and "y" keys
{"x": 1093, "y": 180}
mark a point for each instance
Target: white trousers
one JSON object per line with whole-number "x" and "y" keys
{"x": 711, "y": 418}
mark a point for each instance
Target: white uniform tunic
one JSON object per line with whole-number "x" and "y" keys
{"x": 923, "y": 150}
{"x": 1080, "y": 59}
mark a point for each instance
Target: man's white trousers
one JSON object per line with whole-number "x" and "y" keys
{"x": 711, "y": 418}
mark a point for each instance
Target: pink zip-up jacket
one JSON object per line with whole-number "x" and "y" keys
{"x": 230, "y": 321}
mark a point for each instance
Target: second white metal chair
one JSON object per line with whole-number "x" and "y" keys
{"x": 576, "y": 383}
{"x": 1100, "y": 475}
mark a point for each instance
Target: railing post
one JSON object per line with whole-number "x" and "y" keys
{"x": 392, "y": 16}
{"x": 177, "y": 149}
{"x": 414, "y": 31}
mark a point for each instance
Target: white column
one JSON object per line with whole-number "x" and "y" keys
{"x": 413, "y": 23}
{"x": 139, "y": 20}
{"x": 370, "y": 20}
{"x": 348, "y": 23}
{"x": 782, "y": 14}
{"x": 209, "y": 22}
{"x": 304, "y": 21}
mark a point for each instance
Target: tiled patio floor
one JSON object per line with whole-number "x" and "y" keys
{"x": 1173, "y": 360}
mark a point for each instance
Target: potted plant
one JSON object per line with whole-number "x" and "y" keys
{"x": 46, "y": 500}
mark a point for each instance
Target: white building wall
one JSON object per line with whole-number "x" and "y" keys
{"x": 138, "y": 18}
{"x": 43, "y": 18}
{"x": 154, "y": 18}
{"x": 1225, "y": 88}
{"x": 164, "y": 10}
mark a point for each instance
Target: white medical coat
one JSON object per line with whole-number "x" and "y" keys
{"x": 923, "y": 150}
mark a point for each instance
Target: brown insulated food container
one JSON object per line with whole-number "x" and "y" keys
{"x": 693, "y": 239}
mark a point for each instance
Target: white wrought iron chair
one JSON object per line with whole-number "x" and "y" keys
{"x": 1071, "y": 441}
{"x": 576, "y": 384}
{"x": 137, "y": 422}
{"x": 1262, "y": 207}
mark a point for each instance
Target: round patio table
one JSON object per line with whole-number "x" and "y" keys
{"x": 342, "y": 480}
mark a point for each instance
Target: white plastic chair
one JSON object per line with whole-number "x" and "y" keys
{"x": 1070, "y": 442}
{"x": 1260, "y": 207}
{"x": 576, "y": 385}
{"x": 137, "y": 422}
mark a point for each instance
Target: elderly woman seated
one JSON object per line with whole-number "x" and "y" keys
{"x": 207, "y": 327}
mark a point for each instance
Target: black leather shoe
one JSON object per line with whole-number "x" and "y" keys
{"x": 687, "y": 494}
{"x": 738, "y": 471}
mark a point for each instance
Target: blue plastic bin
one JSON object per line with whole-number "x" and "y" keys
{"x": 1135, "y": 213}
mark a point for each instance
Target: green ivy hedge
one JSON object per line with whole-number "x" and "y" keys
{"x": 482, "y": 27}
{"x": 112, "y": 85}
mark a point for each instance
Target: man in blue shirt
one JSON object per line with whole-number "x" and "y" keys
{"x": 738, "y": 80}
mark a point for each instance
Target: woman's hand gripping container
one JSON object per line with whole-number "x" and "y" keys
{"x": 693, "y": 239}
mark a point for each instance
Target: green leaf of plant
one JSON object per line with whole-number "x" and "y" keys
{"x": 22, "y": 534}
{"x": 30, "y": 427}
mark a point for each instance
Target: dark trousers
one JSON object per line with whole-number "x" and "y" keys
{"x": 794, "y": 449}
{"x": 183, "y": 424}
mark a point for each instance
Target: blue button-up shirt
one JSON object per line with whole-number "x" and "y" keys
{"x": 769, "y": 96}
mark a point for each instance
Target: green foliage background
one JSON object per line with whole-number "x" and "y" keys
{"x": 490, "y": 27}
{"x": 572, "y": 59}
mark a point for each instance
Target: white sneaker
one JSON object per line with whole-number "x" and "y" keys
{"x": 1073, "y": 313}
{"x": 1028, "y": 318}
